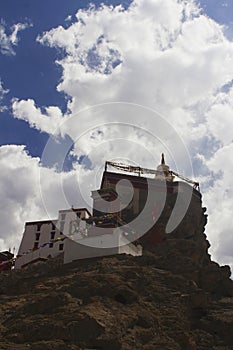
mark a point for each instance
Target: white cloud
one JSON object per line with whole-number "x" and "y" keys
{"x": 68, "y": 18}
{"x": 32, "y": 192}
{"x": 219, "y": 200}
{"x": 10, "y": 38}
{"x": 162, "y": 54}
{"x": 18, "y": 192}
{"x": 220, "y": 117}
{"x": 152, "y": 40}
{"x": 49, "y": 121}
{"x": 3, "y": 92}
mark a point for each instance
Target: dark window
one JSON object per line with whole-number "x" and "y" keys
{"x": 61, "y": 246}
{"x": 38, "y": 226}
{"x": 37, "y": 236}
{"x": 36, "y": 245}
{"x": 63, "y": 216}
{"x": 53, "y": 227}
{"x": 50, "y": 245}
{"x": 78, "y": 215}
{"x": 52, "y": 235}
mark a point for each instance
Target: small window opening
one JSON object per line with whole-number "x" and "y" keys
{"x": 37, "y": 236}
{"x": 36, "y": 245}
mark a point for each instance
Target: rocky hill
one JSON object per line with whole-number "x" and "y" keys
{"x": 171, "y": 298}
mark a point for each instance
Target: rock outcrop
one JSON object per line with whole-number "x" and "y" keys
{"x": 171, "y": 298}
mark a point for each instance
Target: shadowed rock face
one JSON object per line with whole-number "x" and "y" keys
{"x": 172, "y": 298}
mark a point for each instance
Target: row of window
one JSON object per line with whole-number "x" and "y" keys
{"x": 63, "y": 216}
{"x": 61, "y": 245}
{"x": 38, "y": 227}
{"x": 52, "y": 235}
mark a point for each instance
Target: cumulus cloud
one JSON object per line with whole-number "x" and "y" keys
{"x": 31, "y": 192}
{"x": 219, "y": 200}
{"x": 164, "y": 55}
{"x": 49, "y": 121}
{"x": 9, "y": 38}
{"x": 17, "y": 190}
{"x": 140, "y": 53}
{"x": 219, "y": 117}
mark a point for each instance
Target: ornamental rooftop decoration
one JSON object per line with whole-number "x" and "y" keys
{"x": 163, "y": 171}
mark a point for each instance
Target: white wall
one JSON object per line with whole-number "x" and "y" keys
{"x": 69, "y": 223}
{"x": 29, "y": 236}
{"x": 126, "y": 247}
{"x": 39, "y": 253}
{"x": 29, "y": 239}
{"x": 96, "y": 246}
{"x": 75, "y": 247}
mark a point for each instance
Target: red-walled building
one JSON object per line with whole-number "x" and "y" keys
{"x": 125, "y": 196}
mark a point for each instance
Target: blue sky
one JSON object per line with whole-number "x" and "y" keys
{"x": 54, "y": 69}
{"x": 221, "y": 11}
{"x": 32, "y": 72}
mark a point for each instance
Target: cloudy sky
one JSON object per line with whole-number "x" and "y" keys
{"x": 115, "y": 80}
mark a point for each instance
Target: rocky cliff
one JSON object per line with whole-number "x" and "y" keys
{"x": 171, "y": 298}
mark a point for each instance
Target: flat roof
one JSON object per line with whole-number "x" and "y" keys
{"x": 75, "y": 210}
{"x": 141, "y": 182}
{"x": 55, "y": 220}
{"x": 41, "y": 222}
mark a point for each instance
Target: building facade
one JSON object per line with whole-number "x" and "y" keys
{"x": 43, "y": 240}
{"x": 119, "y": 222}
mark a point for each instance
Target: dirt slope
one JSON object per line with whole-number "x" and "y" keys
{"x": 115, "y": 303}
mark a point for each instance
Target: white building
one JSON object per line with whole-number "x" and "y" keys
{"x": 45, "y": 239}
{"x": 70, "y": 237}
{"x": 111, "y": 242}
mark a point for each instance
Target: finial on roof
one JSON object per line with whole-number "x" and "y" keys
{"x": 162, "y": 160}
{"x": 163, "y": 171}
